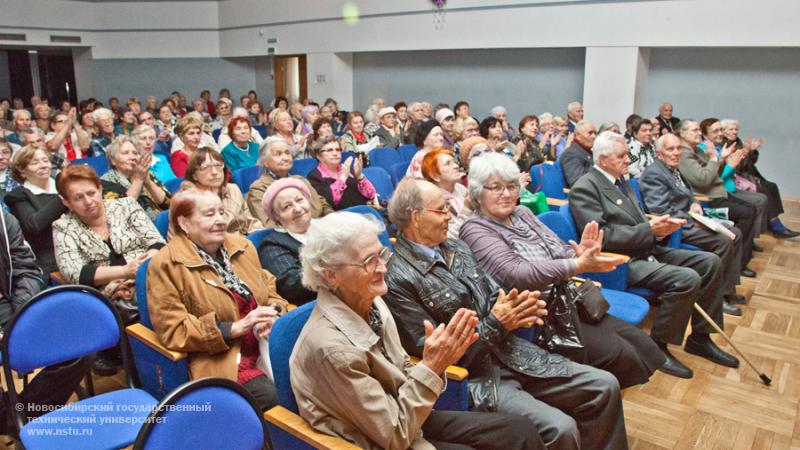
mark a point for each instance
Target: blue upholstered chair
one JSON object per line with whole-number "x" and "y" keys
{"x": 382, "y": 181}
{"x": 205, "y": 414}
{"x": 98, "y": 163}
{"x": 408, "y": 151}
{"x": 384, "y": 158}
{"x": 257, "y": 236}
{"x": 58, "y": 325}
{"x": 398, "y": 172}
{"x": 245, "y": 176}
{"x": 547, "y": 177}
{"x": 627, "y": 306}
{"x": 303, "y": 166}
{"x": 174, "y": 185}
{"x": 262, "y": 130}
{"x": 162, "y": 223}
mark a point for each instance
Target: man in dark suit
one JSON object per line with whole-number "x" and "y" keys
{"x": 668, "y": 122}
{"x": 577, "y": 158}
{"x": 666, "y": 191}
{"x": 680, "y": 277}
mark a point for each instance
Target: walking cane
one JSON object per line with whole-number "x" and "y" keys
{"x": 764, "y": 378}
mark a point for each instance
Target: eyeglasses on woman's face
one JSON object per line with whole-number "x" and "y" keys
{"x": 498, "y": 188}
{"x": 372, "y": 263}
{"x": 208, "y": 166}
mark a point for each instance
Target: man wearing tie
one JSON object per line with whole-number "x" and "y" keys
{"x": 679, "y": 277}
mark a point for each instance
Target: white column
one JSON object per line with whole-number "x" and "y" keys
{"x": 84, "y": 73}
{"x": 613, "y": 83}
{"x": 331, "y": 75}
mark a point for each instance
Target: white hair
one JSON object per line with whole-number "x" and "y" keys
{"x": 20, "y": 112}
{"x": 481, "y": 169}
{"x": 116, "y": 144}
{"x": 497, "y": 110}
{"x": 266, "y": 146}
{"x": 726, "y": 123}
{"x": 573, "y": 106}
{"x": 100, "y": 113}
{"x": 604, "y": 144}
{"x": 330, "y": 241}
{"x": 546, "y": 116}
{"x": 239, "y": 111}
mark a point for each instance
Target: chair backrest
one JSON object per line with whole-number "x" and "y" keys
{"x": 141, "y": 294}
{"x": 407, "y": 151}
{"x": 174, "y": 185}
{"x": 303, "y": 166}
{"x": 634, "y": 183}
{"x": 282, "y": 338}
{"x": 209, "y": 413}
{"x": 381, "y": 179}
{"x": 558, "y": 225}
{"x": 57, "y": 325}
{"x": 262, "y": 130}
{"x": 257, "y": 236}
{"x": 385, "y": 158}
{"x": 98, "y": 163}
{"x": 215, "y": 134}
{"x": 162, "y": 223}
{"x": 369, "y": 210}
{"x": 547, "y": 177}
{"x": 398, "y": 171}
{"x": 245, "y": 176}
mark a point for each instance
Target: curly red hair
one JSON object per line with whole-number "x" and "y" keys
{"x": 430, "y": 163}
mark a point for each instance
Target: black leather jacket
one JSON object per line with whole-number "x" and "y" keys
{"x": 20, "y": 277}
{"x": 422, "y": 288}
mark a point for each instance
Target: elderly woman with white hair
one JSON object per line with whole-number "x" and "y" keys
{"x": 275, "y": 159}
{"x": 145, "y": 137}
{"x": 519, "y": 251}
{"x": 104, "y": 124}
{"x": 129, "y": 176}
{"x": 350, "y": 374}
{"x": 310, "y": 114}
{"x": 283, "y": 127}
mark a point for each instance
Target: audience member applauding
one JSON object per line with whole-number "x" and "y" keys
{"x": 576, "y": 160}
{"x": 530, "y": 151}
{"x": 35, "y": 203}
{"x": 431, "y": 277}
{"x": 145, "y": 138}
{"x": 350, "y": 375}
{"x": 206, "y": 172}
{"x": 680, "y": 277}
{"x": 241, "y": 151}
{"x": 491, "y": 129}
{"x": 66, "y": 137}
{"x": 129, "y": 176}
{"x": 209, "y": 297}
{"x": 276, "y": 162}
{"x": 342, "y": 185}
{"x": 518, "y": 251}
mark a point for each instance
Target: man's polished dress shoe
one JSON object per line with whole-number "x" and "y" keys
{"x": 736, "y": 299}
{"x": 727, "y": 308}
{"x": 785, "y": 234}
{"x": 674, "y": 367}
{"x": 705, "y": 347}
{"x": 104, "y": 367}
{"x": 757, "y": 248}
{"x": 748, "y": 273}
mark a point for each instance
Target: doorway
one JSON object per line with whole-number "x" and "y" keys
{"x": 290, "y": 77}
{"x": 47, "y": 73}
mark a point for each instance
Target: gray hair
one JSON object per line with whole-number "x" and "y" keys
{"x": 660, "y": 141}
{"x": 142, "y": 129}
{"x": 33, "y": 131}
{"x": 20, "y": 112}
{"x": 572, "y": 106}
{"x": 329, "y": 241}
{"x": 604, "y": 144}
{"x": 481, "y": 169}
{"x": 582, "y": 124}
{"x": 726, "y": 123}
{"x": 116, "y": 144}
{"x": 606, "y": 126}
{"x": 497, "y": 110}
{"x": 406, "y": 199}
{"x": 683, "y": 127}
{"x": 100, "y": 113}
{"x": 266, "y": 146}
{"x": 545, "y": 116}
{"x": 240, "y": 111}
{"x": 413, "y": 104}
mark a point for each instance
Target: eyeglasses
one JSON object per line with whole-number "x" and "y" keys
{"x": 207, "y": 167}
{"x": 59, "y": 121}
{"x": 371, "y": 264}
{"x": 330, "y": 150}
{"x": 442, "y": 212}
{"x": 497, "y": 189}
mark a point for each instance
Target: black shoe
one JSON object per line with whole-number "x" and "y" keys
{"x": 757, "y": 248}
{"x": 674, "y": 367}
{"x": 706, "y": 348}
{"x": 735, "y": 299}
{"x": 104, "y": 367}
{"x": 785, "y": 234}
{"x": 727, "y": 308}
{"x": 748, "y": 273}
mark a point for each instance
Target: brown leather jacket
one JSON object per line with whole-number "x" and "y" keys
{"x": 186, "y": 298}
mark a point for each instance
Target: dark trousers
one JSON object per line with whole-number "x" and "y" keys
{"x": 51, "y": 387}
{"x": 729, "y": 252}
{"x": 743, "y": 214}
{"x": 681, "y": 277}
{"x": 264, "y": 392}
{"x": 774, "y": 202}
{"x": 455, "y": 430}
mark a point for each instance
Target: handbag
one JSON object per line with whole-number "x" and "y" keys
{"x": 592, "y": 306}
{"x": 121, "y": 294}
{"x": 561, "y": 330}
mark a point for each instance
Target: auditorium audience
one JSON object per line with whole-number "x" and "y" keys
{"x": 499, "y": 113}
{"x": 491, "y": 129}
{"x": 356, "y": 134}
{"x": 341, "y": 183}
{"x": 103, "y": 120}
{"x": 440, "y": 168}
{"x": 66, "y": 137}
{"x": 224, "y": 110}
{"x": 188, "y": 130}
{"x": 575, "y": 115}
{"x": 529, "y": 149}
{"x": 429, "y": 136}
{"x": 390, "y": 132}
{"x": 22, "y": 121}
{"x": 241, "y": 151}
{"x": 668, "y": 122}
{"x": 225, "y": 136}
{"x": 519, "y": 251}
{"x": 679, "y": 277}
{"x": 206, "y": 172}
{"x": 276, "y": 162}
{"x": 446, "y": 120}
{"x": 283, "y": 127}
{"x": 145, "y": 137}
{"x": 129, "y": 176}
{"x": 640, "y": 148}
{"x": 218, "y": 326}
{"x": 576, "y": 160}
{"x": 350, "y": 375}
{"x": 430, "y": 277}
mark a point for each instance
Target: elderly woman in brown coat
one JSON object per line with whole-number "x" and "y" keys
{"x": 208, "y": 296}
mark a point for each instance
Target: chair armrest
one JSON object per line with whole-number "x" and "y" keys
{"x": 625, "y": 258}
{"x": 556, "y": 201}
{"x": 454, "y": 373}
{"x": 580, "y": 281}
{"x": 566, "y": 190}
{"x": 299, "y": 428}
{"x": 149, "y": 337}
{"x": 56, "y": 277}
{"x": 702, "y": 198}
